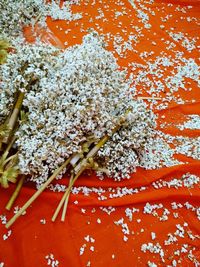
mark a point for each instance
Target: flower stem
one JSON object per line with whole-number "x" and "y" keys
{"x": 95, "y": 149}
{"x": 15, "y": 193}
{"x": 10, "y": 158}
{"x": 65, "y": 196}
{"x": 79, "y": 170}
{"x": 37, "y": 193}
{"x": 14, "y": 116}
{"x": 63, "y": 199}
{"x": 6, "y": 152}
{"x": 65, "y": 208}
{"x": 149, "y": 98}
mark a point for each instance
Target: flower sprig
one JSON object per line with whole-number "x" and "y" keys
{"x": 77, "y": 171}
{"x": 73, "y": 107}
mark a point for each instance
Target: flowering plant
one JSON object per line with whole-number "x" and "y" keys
{"x": 67, "y": 109}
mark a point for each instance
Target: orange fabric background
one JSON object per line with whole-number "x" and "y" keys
{"x": 31, "y": 241}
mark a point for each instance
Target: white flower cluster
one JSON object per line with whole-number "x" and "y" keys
{"x": 190, "y": 147}
{"x": 122, "y": 152}
{"x": 153, "y": 248}
{"x": 15, "y": 14}
{"x": 18, "y": 13}
{"x": 193, "y": 123}
{"x": 24, "y": 68}
{"x": 72, "y": 97}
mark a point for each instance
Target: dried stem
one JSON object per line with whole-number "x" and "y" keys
{"x": 15, "y": 193}
{"x": 8, "y": 166}
{"x": 7, "y": 150}
{"x": 14, "y": 116}
{"x": 149, "y": 98}
{"x": 85, "y": 148}
{"x": 64, "y": 198}
{"x": 10, "y": 158}
{"x": 94, "y": 150}
{"x": 65, "y": 208}
{"x": 78, "y": 171}
{"x": 37, "y": 193}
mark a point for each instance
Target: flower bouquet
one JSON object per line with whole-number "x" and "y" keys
{"x": 67, "y": 111}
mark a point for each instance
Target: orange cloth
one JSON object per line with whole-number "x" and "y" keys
{"x": 30, "y": 241}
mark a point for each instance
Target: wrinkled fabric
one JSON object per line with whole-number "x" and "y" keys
{"x": 31, "y": 241}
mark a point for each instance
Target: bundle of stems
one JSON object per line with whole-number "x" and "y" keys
{"x": 9, "y": 170}
{"x": 79, "y": 166}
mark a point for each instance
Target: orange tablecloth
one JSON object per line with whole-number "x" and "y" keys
{"x": 107, "y": 245}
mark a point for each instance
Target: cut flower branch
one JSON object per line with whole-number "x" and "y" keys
{"x": 73, "y": 110}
